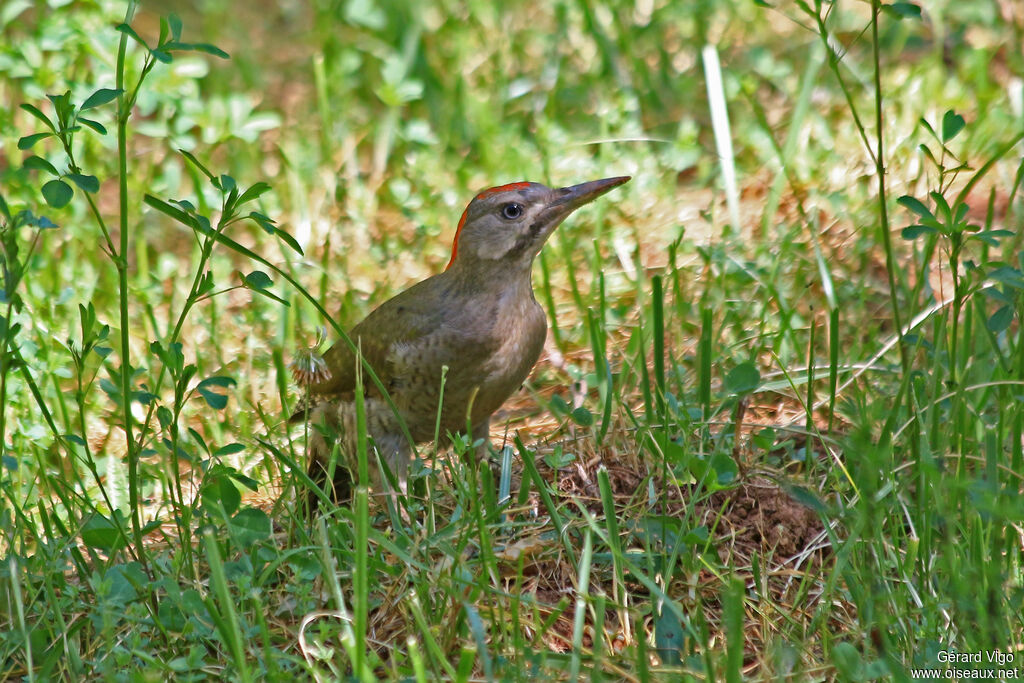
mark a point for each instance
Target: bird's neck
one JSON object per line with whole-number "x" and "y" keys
{"x": 505, "y": 275}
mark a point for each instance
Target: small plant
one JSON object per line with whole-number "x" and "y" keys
{"x": 946, "y": 224}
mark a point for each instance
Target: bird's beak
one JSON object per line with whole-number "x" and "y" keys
{"x": 568, "y": 199}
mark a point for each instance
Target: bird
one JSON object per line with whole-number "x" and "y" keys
{"x": 477, "y": 321}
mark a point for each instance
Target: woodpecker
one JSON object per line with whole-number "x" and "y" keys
{"x": 479, "y": 318}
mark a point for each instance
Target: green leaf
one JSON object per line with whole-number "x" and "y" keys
{"x": 29, "y": 141}
{"x": 197, "y": 437}
{"x": 210, "y": 50}
{"x": 559, "y": 458}
{"x": 219, "y": 381}
{"x": 806, "y": 497}
{"x": 172, "y": 211}
{"x": 95, "y": 125}
{"x": 122, "y": 582}
{"x": 952, "y": 123}
{"x": 999, "y": 233}
{"x": 185, "y": 204}
{"x": 257, "y": 279}
{"x": 164, "y": 415}
{"x": 242, "y": 480}
{"x": 1000, "y": 320}
{"x": 75, "y": 439}
{"x": 100, "y": 532}
{"x": 925, "y": 150}
{"x": 726, "y": 469}
{"x": 264, "y": 222}
{"x": 195, "y": 162}
{"x": 225, "y": 183}
{"x": 250, "y": 526}
{"x": 230, "y": 243}
{"x": 62, "y": 106}
{"x": 902, "y": 10}
{"x": 942, "y": 207}
{"x": 657, "y": 529}
{"x": 212, "y": 398}
{"x": 172, "y": 357}
{"x": 912, "y": 232}
{"x": 289, "y": 240}
{"x": 960, "y": 212}
{"x": 229, "y": 449}
{"x": 253, "y": 192}
{"x": 848, "y": 662}
{"x": 220, "y": 489}
{"x": 205, "y": 283}
{"x": 42, "y": 222}
{"x": 100, "y": 97}
{"x": 743, "y": 379}
{"x": 271, "y": 229}
{"x": 669, "y": 636}
{"x": 998, "y": 295}
{"x": 174, "y": 24}
{"x": 40, "y": 164}
{"x": 914, "y": 205}
{"x": 229, "y": 202}
{"x": 129, "y": 31}
{"x": 39, "y": 115}
{"x": 144, "y": 397}
{"x": 582, "y": 417}
{"x": 57, "y": 193}
{"x": 764, "y": 439}
{"x": 86, "y": 183}
{"x": 696, "y": 537}
{"x": 230, "y": 496}
{"x": 986, "y": 237}
{"x": 1010, "y": 277}
{"x": 259, "y": 282}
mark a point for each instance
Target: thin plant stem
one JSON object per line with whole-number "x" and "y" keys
{"x": 120, "y": 261}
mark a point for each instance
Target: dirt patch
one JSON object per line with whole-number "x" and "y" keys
{"x": 761, "y": 517}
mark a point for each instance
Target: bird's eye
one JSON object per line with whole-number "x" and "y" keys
{"x": 511, "y": 211}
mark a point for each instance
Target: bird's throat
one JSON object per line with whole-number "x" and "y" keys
{"x": 510, "y": 275}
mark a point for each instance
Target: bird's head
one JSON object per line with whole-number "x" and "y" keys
{"x": 512, "y": 222}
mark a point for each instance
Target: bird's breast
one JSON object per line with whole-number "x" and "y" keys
{"x": 518, "y": 339}
{"x": 489, "y": 344}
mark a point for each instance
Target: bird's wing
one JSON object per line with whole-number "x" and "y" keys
{"x": 407, "y": 320}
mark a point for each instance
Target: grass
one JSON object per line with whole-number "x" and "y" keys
{"x": 776, "y": 434}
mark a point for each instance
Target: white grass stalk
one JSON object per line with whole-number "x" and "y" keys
{"x": 720, "y": 126}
